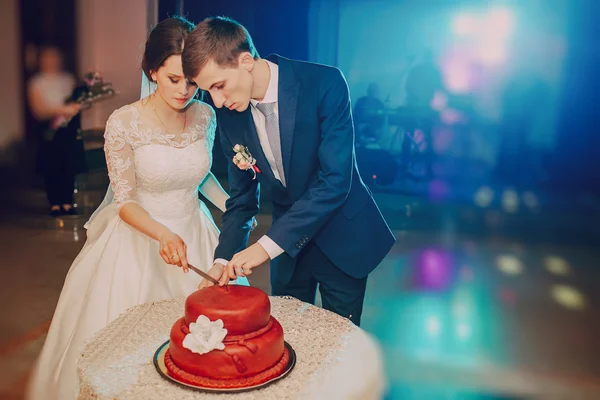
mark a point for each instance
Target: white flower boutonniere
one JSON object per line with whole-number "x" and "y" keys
{"x": 244, "y": 160}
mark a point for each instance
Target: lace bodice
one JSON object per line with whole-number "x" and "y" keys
{"x": 158, "y": 170}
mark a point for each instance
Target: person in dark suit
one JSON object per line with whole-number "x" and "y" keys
{"x": 288, "y": 125}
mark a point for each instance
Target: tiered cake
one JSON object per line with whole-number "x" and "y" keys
{"x": 227, "y": 339}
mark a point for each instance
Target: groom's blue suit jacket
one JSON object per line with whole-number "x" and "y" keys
{"x": 325, "y": 199}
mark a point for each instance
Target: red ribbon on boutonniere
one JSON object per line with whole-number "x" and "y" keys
{"x": 244, "y": 160}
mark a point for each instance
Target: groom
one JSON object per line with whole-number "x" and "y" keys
{"x": 287, "y": 125}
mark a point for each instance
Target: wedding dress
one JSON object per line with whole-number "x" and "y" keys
{"x": 119, "y": 267}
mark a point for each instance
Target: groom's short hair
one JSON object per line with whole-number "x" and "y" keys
{"x": 220, "y": 39}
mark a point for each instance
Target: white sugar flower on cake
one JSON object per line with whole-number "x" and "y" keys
{"x": 205, "y": 336}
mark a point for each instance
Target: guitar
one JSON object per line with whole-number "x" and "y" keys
{"x": 90, "y": 90}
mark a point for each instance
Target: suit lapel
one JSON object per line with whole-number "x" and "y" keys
{"x": 288, "y": 100}
{"x": 287, "y": 103}
{"x": 253, "y": 144}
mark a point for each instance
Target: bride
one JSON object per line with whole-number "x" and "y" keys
{"x": 158, "y": 152}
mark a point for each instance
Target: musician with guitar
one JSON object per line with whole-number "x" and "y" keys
{"x": 55, "y": 101}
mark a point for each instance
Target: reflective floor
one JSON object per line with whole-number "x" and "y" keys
{"x": 477, "y": 300}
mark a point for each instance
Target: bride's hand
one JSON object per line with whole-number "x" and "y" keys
{"x": 173, "y": 250}
{"x": 216, "y": 271}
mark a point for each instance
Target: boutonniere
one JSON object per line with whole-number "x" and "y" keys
{"x": 244, "y": 160}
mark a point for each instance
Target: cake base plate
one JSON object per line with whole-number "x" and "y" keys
{"x": 159, "y": 363}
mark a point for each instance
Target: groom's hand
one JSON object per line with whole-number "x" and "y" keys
{"x": 243, "y": 262}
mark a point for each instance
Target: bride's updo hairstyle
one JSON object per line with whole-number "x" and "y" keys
{"x": 165, "y": 40}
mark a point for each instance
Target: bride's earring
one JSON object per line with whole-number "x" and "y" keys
{"x": 153, "y": 78}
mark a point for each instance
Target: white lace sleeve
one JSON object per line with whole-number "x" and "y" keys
{"x": 208, "y": 114}
{"x": 119, "y": 160}
{"x": 210, "y": 187}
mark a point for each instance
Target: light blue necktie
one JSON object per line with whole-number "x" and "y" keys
{"x": 272, "y": 126}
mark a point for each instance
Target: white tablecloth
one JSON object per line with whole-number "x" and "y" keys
{"x": 335, "y": 359}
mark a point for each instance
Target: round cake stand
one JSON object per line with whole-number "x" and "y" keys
{"x": 159, "y": 363}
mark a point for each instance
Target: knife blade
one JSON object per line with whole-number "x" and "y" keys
{"x": 203, "y": 274}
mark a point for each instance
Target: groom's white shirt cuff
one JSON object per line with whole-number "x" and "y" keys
{"x": 272, "y": 249}
{"x": 220, "y": 261}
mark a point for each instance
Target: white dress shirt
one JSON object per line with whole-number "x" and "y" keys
{"x": 271, "y": 96}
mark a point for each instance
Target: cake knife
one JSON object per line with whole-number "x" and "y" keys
{"x": 203, "y": 274}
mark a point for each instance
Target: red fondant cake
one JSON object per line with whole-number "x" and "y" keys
{"x": 251, "y": 350}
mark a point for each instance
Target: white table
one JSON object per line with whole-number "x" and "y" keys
{"x": 335, "y": 359}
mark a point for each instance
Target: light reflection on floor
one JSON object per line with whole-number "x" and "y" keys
{"x": 461, "y": 313}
